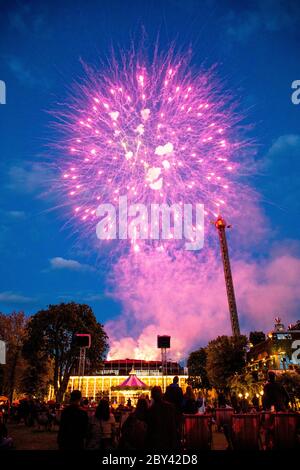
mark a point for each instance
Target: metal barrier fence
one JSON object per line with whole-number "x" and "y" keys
{"x": 197, "y": 432}
{"x": 286, "y": 426}
{"x": 223, "y": 416}
{"x": 244, "y": 431}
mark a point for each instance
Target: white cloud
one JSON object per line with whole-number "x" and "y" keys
{"x": 93, "y": 297}
{"x": 28, "y": 178}
{"x": 267, "y": 16}
{"x": 82, "y": 296}
{"x": 71, "y": 264}
{"x": 22, "y": 72}
{"x": 9, "y": 297}
{"x": 13, "y": 214}
{"x": 17, "y": 214}
{"x": 26, "y": 74}
{"x": 281, "y": 166}
{"x": 286, "y": 146}
{"x": 25, "y": 19}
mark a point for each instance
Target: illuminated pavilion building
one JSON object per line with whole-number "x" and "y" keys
{"x": 116, "y": 374}
{"x": 279, "y": 352}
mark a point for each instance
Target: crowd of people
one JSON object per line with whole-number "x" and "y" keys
{"x": 151, "y": 424}
{"x": 31, "y": 412}
{"x": 155, "y": 423}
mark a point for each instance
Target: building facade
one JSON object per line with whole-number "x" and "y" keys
{"x": 115, "y": 372}
{"x": 279, "y": 352}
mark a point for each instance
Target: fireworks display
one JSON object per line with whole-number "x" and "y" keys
{"x": 153, "y": 131}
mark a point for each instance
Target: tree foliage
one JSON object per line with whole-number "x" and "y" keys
{"x": 245, "y": 382}
{"x": 12, "y": 331}
{"x": 225, "y": 357}
{"x": 257, "y": 337}
{"x": 50, "y": 337}
{"x": 291, "y": 382}
{"x": 196, "y": 364}
{"x": 36, "y": 378}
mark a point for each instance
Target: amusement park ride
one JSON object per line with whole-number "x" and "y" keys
{"x": 221, "y": 226}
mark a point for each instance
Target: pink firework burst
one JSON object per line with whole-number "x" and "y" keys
{"x": 154, "y": 131}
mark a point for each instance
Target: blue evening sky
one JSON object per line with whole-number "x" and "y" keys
{"x": 255, "y": 43}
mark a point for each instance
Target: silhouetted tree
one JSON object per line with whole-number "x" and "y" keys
{"x": 225, "y": 357}
{"x": 12, "y": 331}
{"x": 291, "y": 382}
{"x": 257, "y": 337}
{"x": 196, "y": 364}
{"x": 50, "y": 336}
{"x": 36, "y": 378}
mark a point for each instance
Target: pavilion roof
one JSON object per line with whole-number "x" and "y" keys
{"x": 132, "y": 382}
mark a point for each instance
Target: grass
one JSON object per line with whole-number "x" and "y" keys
{"x": 26, "y": 438}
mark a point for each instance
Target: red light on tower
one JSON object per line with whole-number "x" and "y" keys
{"x": 220, "y": 223}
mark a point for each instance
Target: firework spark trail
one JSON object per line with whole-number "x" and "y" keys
{"x": 154, "y": 132}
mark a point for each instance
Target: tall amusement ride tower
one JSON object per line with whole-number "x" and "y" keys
{"x": 221, "y": 227}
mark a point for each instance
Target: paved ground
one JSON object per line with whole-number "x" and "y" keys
{"x": 33, "y": 439}
{"x": 219, "y": 442}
